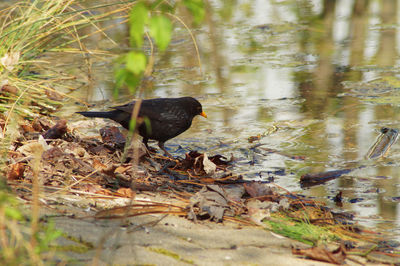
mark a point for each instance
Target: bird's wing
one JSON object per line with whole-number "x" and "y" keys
{"x": 160, "y": 110}
{"x": 166, "y": 115}
{"x": 175, "y": 120}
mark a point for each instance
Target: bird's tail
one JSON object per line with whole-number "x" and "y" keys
{"x": 109, "y": 114}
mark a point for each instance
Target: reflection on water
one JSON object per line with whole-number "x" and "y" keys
{"x": 324, "y": 73}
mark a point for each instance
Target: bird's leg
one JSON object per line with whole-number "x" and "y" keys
{"x": 145, "y": 140}
{"x": 161, "y": 145}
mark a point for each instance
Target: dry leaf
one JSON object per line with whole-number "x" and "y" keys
{"x": 122, "y": 169}
{"x": 98, "y": 165}
{"x": 336, "y": 256}
{"x": 10, "y": 89}
{"x": 259, "y": 189}
{"x": 33, "y": 147}
{"x": 126, "y": 192}
{"x": 259, "y": 210}
{"x": 57, "y": 131}
{"x": 211, "y": 201}
{"x": 16, "y": 171}
{"x": 28, "y": 128}
{"x": 208, "y": 166}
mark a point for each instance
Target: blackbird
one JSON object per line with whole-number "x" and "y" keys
{"x": 160, "y": 119}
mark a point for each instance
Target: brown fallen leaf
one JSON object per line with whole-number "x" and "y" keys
{"x": 16, "y": 171}
{"x": 122, "y": 169}
{"x": 36, "y": 125}
{"x": 28, "y": 128}
{"x": 112, "y": 136}
{"x": 336, "y": 256}
{"x": 210, "y": 202}
{"x": 198, "y": 166}
{"x": 41, "y": 124}
{"x": 126, "y": 192}
{"x": 56, "y": 131}
{"x": 109, "y": 170}
{"x": 98, "y": 165}
{"x": 258, "y": 189}
{"x": 201, "y": 163}
{"x": 258, "y": 211}
{"x": 9, "y": 89}
{"x": 106, "y": 169}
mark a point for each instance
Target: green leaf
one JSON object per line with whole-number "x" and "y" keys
{"x": 196, "y": 7}
{"x": 161, "y": 31}
{"x": 136, "y": 62}
{"x": 13, "y": 213}
{"x": 120, "y": 77}
{"x": 132, "y": 81}
{"x": 138, "y": 18}
{"x": 125, "y": 77}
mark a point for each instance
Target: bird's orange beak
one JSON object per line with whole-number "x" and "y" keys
{"x": 203, "y": 114}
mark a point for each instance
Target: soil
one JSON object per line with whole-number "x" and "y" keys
{"x": 159, "y": 239}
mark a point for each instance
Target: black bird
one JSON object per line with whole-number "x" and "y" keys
{"x": 160, "y": 119}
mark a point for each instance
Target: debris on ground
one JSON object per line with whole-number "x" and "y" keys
{"x": 114, "y": 179}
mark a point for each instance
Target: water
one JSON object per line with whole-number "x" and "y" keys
{"x": 318, "y": 79}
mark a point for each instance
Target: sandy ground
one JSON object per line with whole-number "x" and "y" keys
{"x": 173, "y": 240}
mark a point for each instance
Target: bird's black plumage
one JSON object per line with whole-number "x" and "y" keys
{"x": 167, "y": 117}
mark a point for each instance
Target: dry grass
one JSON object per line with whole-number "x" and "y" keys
{"x": 27, "y": 30}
